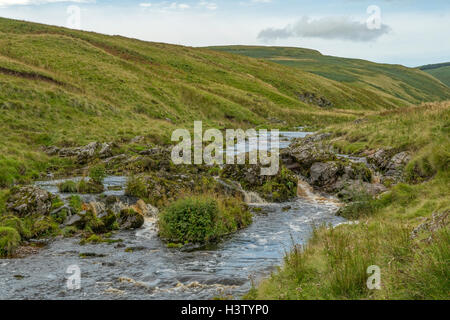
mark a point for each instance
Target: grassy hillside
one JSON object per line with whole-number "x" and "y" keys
{"x": 440, "y": 71}
{"x": 413, "y": 265}
{"x": 384, "y": 83}
{"x": 65, "y": 87}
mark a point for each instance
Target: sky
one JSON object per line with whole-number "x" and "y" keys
{"x": 408, "y": 32}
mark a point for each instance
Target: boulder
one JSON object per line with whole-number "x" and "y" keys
{"x": 306, "y": 153}
{"x": 130, "y": 219}
{"x": 348, "y": 188}
{"x": 397, "y": 163}
{"x": 324, "y": 173}
{"x": 29, "y": 200}
{"x": 73, "y": 220}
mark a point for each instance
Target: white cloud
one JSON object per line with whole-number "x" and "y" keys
{"x": 332, "y": 27}
{"x": 208, "y": 5}
{"x": 9, "y": 3}
{"x": 145, "y": 4}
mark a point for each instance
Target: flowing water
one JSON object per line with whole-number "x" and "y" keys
{"x": 142, "y": 267}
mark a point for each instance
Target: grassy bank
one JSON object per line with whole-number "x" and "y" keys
{"x": 414, "y": 264}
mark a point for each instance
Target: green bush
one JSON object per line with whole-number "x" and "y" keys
{"x": 192, "y": 219}
{"x": 202, "y": 219}
{"x": 9, "y": 241}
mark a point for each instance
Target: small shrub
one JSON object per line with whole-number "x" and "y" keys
{"x": 203, "y": 219}
{"x": 191, "y": 219}
{"x": 9, "y": 241}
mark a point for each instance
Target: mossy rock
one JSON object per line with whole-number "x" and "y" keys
{"x": 361, "y": 172}
{"x": 130, "y": 219}
{"x": 30, "y": 200}
{"x": 9, "y": 241}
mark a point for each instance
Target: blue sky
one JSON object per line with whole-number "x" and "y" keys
{"x": 408, "y": 32}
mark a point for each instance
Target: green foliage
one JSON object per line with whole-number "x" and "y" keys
{"x": 68, "y": 187}
{"x": 190, "y": 220}
{"x": 202, "y": 219}
{"x": 281, "y": 187}
{"x": 89, "y": 186}
{"x": 93, "y": 239}
{"x": 76, "y": 203}
{"x": 136, "y": 187}
{"x": 45, "y": 227}
{"x": 16, "y": 223}
{"x": 9, "y": 241}
{"x": 97, "y": 173}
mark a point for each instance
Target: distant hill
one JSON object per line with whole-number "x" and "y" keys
{"x": 387, "y": 82}
{"x": 440, "y": 71}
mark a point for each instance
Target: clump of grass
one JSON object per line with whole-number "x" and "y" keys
{"x": 9, "y": 241}
{"x": 76, "y": 203}
{"x": 16, "y": 223}
{"x": 68, "y": 187}
{"x": 45, "y": 227}
{"x": 93, "y": 239}
{"x": 136, "y": 187}
{"x": 97, "y": 173}
{"x": 428, "y": 276}
{"x": 359, "y": 204}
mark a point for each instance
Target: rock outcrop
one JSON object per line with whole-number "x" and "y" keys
{"x": 314, "y": 159}
{"x": 26, "y": 201}
{"x": 85, "y": 153}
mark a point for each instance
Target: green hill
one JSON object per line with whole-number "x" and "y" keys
{"x": 65, "y": 87}
{"x": 389, "y": 83}
{"x": 440, "y": 71}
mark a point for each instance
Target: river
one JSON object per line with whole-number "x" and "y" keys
{"x": 142, "y": 267}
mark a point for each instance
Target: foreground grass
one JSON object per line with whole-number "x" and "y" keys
{"x": 333, "y": 264}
